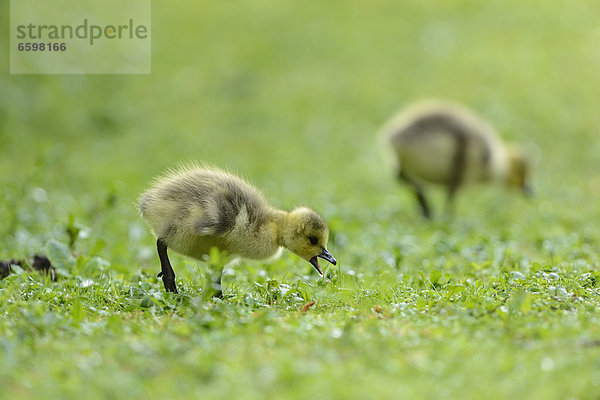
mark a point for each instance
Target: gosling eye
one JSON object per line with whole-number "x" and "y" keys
{"x": 313, "y": 240}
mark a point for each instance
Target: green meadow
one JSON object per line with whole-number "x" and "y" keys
{"x": 501, "y": 301}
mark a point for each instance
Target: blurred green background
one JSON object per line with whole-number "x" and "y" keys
{"x": 291, "y": 95}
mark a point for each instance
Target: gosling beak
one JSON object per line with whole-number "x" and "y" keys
{"x": 325, "y": 255}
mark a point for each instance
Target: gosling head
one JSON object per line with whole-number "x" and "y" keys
{"x": 518, "y": 170}
{"x": 305, "y": 234}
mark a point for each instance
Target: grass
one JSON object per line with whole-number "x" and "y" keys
{"x": 501, "y": 301}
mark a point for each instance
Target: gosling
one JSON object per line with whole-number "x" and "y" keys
{"x": 194, "y": 208}
{"x": 447, "y": 144}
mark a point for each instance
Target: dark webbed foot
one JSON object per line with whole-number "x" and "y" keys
{"x": 167, "y": 273}
{"x": 169, "y": 282}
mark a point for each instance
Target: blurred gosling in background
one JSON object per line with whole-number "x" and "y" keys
{"x": 447, "y": 144}
{"x": 194, "y": 208}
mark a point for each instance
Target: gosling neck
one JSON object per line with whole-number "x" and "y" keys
{"x": 278, "y": 219}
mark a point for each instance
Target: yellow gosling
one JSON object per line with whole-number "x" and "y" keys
{"x": 447, "y": 144}
{"x": 194, "y": 208}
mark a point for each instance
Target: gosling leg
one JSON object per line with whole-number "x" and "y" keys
{"x": 167, "y": 273}
{"x": 425, "y": 210}
{"x": 217, "y": 285}
{"x": 458, "y": 171}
